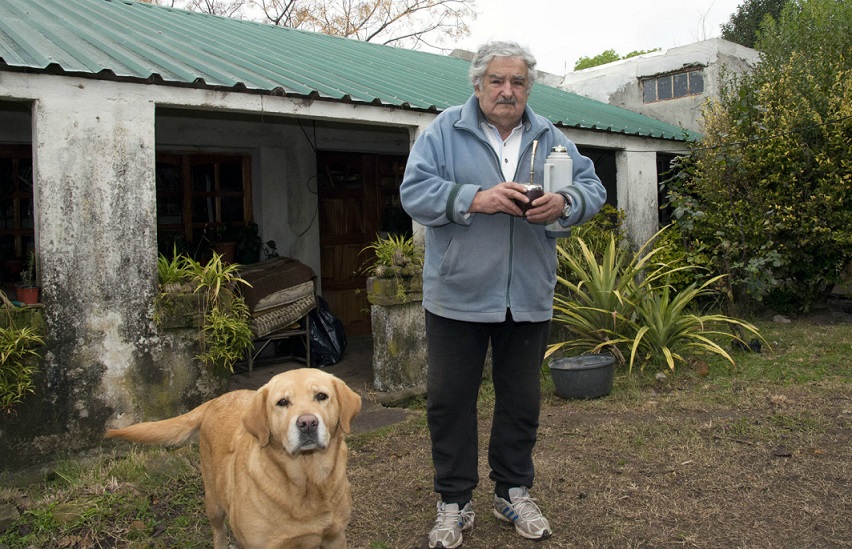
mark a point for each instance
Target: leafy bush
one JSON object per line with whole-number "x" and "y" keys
{"x": 674, "y": 250}
{"x": 768, "y": 188}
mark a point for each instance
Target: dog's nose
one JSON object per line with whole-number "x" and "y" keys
{"x": 307, "y": 423}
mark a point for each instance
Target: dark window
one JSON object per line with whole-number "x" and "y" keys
{"x": 664, "y": 88}
{"x": 199, "y": 196}
{"x": 681, "y": 84}
{"x": 673, "y": 86}
{"x": 16, "y": 208}
{"x": 696, "y": 82}
{"x": 649, "y": 90}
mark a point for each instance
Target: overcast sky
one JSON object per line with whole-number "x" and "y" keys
{"x": 559, "y": 32}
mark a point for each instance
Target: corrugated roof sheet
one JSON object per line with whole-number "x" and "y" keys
{"x": 133, "y": 40}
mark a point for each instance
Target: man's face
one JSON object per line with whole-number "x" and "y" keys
{"x": 504, "y": 91}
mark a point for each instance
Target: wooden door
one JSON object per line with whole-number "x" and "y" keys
{"x": 358, "y": 199}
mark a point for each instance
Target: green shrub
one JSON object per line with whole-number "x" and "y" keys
{"x": 768, "y": 188}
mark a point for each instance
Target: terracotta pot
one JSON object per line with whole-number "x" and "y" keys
{"x": 27, "y": 295}
{"x": 228, "y": 251}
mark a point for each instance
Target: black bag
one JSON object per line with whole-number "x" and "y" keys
{"x": 328, "y": 340}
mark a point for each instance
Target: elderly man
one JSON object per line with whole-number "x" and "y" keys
{"x": 489, "y": 278}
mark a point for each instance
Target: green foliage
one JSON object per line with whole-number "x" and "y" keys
{"x": 226, "y": 331}
{"x": 665, "y": 327}
{"x": 673, "y": 249}
{"x": 226, "y": 334}
{"x": 396, "y": 256}
{"x": 173, "y": 272}
{"x": 605, "y": 57}
{"x": 744, "y": 25}
{"x": 595, "y": 234}
{"x": 602, "y": 58}
{"x": 623, "y": 303}
{"x": 771, "y": 182}
{"x": 18, "y": 360}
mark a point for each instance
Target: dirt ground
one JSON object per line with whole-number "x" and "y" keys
{"x": 689, "y": 462}
{"x": 660, "y": 474}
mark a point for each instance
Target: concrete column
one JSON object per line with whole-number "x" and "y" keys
{"x": 637, "y": 193}
{"x": 94, "y": 163}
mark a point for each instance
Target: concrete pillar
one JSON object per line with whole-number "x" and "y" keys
{"x": 637, "y": 194}
{"x": 93, "y": 157}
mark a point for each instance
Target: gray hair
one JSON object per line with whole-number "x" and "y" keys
{"x": 487, "y": 52}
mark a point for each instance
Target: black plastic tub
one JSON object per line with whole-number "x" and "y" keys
{"x": 586, "y": 376}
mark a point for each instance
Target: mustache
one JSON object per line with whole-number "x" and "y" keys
{"x": 504, "y": 101}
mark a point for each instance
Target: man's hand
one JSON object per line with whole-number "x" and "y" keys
{"x": 500, "y": 198}
{"x": 546, "y": 208}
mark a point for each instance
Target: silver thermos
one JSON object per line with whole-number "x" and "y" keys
{"x": 558, "y": 173}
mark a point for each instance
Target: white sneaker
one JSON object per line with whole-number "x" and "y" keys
{"x": 523, "y": 512}
{"x": 451, "y": 522}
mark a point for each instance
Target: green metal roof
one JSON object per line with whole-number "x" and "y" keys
{"x": 127, "y": 40}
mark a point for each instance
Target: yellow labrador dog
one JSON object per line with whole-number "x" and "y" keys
{"x": 273, "y": 460}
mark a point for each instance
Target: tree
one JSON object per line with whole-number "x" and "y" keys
{"x": 605, "y": 57}
{"x": 769, "y": 189}
{"x": 744, "y": 24}
{"x": 225, "y": 8}
{"x": 407, "y": 23}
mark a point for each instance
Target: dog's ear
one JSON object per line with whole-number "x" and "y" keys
{"x": 254, "y": 418}
{"x": 350, "y": 404}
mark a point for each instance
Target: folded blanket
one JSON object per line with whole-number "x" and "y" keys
{"x": 282, "y": 291}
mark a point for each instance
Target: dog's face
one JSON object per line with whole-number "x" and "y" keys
{"x": 301, "y": 410}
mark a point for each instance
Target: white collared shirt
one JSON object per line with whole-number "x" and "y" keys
{"x": 508, "y": 150}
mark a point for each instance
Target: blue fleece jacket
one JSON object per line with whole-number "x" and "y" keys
{"x": 479, "y": 265}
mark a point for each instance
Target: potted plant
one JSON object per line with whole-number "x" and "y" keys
{"x": 207, "y": 295}
{"x": 396, "y": 270}
{"x": 27, "y": 291}
{"x": 223, "y": 242}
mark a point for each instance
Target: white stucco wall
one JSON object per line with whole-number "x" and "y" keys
{"x": 619, "y": 83}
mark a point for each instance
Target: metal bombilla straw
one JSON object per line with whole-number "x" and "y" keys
{"x": 532, "y": 160}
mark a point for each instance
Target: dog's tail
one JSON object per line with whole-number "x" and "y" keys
{"x": 170, "y": 432}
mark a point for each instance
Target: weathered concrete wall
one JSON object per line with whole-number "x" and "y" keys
{"x": 399, "y": 346}
{"x": 619, "y": 83}
{"x": 104, "y": 362}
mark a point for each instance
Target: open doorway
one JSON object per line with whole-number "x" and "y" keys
{"x": 358, "y": 199}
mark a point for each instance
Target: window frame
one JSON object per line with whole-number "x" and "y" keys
{"x": 184, "y": 200}
{"x": 653, "y": 84}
